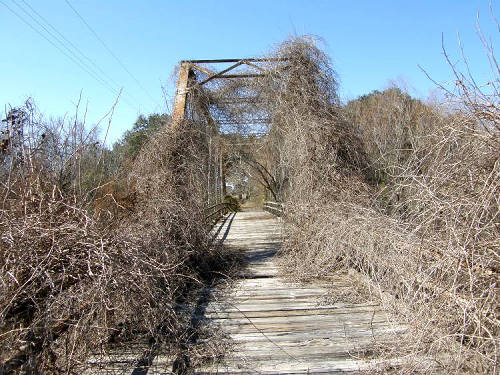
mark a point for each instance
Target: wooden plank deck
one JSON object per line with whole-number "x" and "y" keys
{"x": 276, "y": 327}
{"x": 280, "y": 327}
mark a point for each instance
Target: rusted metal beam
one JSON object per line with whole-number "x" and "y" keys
{"x": 240, "y": 76}
{"x": 203, "y": 69}
{"x": 255, "y": 66}
{"x": 221, "y": 72}
{"x": 218, "y": 61}
{"x": 181, "y": 95}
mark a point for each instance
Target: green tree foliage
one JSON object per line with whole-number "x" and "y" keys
{"x": 133, "y": 140}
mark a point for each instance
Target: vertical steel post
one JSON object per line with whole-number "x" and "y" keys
{"x": 223, "y": 173}
{"x": 222, "y": 192}
{"x": 181, "y": 95}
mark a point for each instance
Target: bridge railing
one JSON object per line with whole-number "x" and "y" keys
{"x": 215, "y": 212}
{"x": 274, "y": 208}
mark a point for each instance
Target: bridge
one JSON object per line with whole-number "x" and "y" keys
{"x": 266, "y": 323}
{"x": 279, "y": 326}
{"x": 274, "y": 325}
{"x": 261, "y": 320}
{"x": 263, "y": 226}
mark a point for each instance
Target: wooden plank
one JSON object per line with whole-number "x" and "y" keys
{"x": 277, "y": 297}
{"x": 303, "y": 320}
{"x": 294, "y": 318}
{"x": 295, "y": 366}
{"x": 286, "y": 327}
{"x": 271, "y": 306}
{"x": 333, "y": 334}
{"x": 271, "y": 320}
{"x": 319, "y": 346}
{"x": 268, "y": 313}
{"x": 284, "y": 290}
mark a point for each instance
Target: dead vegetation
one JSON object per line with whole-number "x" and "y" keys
{"x": 83, "y": 268}
{"x": 405, "y": 193}
{"x": 415, "y": 207}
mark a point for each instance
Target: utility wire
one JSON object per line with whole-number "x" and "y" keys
{"x": 69, "y": 56}
{"x": 73, "y": 55}
{"x": 109, "y": 50}
{"x": 75, "y": 48}
{"x": 51, "y": 42}
{"x": 75, "y": 58}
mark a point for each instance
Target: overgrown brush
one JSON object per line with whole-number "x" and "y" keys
{"x": 410, "y": 198}
{"x": 449, "y": 195}
{"x": 405, "y": 194}
{"x": 65, "y": 285}
{"x": 73, "y": 279}
{"x": 390, "y": 124}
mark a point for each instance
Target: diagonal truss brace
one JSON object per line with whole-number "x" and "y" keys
{"x": 186, "y": 75}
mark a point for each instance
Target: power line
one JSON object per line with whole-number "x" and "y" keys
{"x": 109, "y": 50}
{"x": 48, "y": 40}
{"x": 69, "y": 56}
{"x": 73, "y": 56}
{"x": 64, "y": 50}
{"x": 72, "y": 45}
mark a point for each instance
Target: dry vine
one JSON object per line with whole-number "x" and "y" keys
{"x": 79, "y": 274}
{"x": 404, "y": 192}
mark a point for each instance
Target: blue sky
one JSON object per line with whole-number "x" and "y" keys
{"x": 370, "y": 44}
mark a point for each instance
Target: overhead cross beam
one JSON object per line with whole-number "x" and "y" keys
{"x": 218, "y": 61}
{"x": 252, "y": 62}
{"x": 221, "y": 73}
{"x": 186, "y": 75}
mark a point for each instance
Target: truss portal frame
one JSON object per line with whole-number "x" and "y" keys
{"x": 187, "y": 80}
{"x": 203, "y": 74}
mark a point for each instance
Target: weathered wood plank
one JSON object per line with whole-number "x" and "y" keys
{"x": 248, "y": 306}
{"x": 269, "y": 313}
{"x": 280, "y": 326}
{"x": 343, "y": 315}
{"x": 290, "y": 366}
{"x": 300, "y": 321}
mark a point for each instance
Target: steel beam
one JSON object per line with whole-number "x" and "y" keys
{"x": 202, "y": 69}
{"x": 220, "y": 61}
{"x": 240, "y": 76}
{"x": 181, "y": 95}
{"x": 221, "y": 73}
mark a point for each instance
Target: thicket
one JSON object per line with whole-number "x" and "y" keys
{"x": 404, "y": 192}
{"x": 91, "y": 252}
